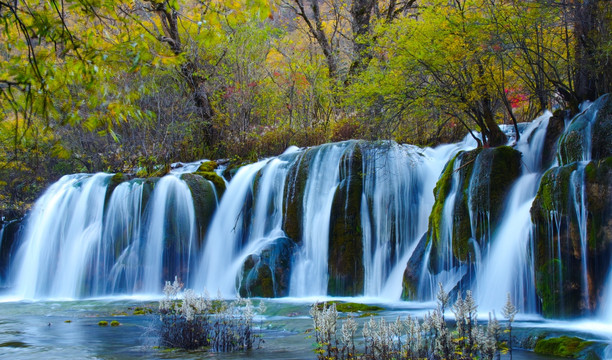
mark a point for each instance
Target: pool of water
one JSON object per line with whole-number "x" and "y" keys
{"x": 70, "y": 330}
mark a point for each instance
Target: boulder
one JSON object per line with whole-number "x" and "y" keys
{"x": 268, "y": 273}
{"x": 559, "y": 250}
{"x": 346, "y": 269}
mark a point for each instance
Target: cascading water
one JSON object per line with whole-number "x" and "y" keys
{"x": 397, "y": 200}
{"x": 507, "y": 267}
{"x": 62, "y": 234}
{"x": 85, "y": 237}
{"x": 309, "y": 273}
{"x": 235, "y": 232}
{"x": 169, "y": 242}
{"x": 278, "y": 230}
{"x": 122, "y": 228}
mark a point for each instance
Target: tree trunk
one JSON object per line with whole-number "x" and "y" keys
{"x": 593, "y": 31}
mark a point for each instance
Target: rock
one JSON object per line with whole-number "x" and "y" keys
{"x": 346, "y": 269}
{"x": 294, "y": 193}
{"x": 556, "y": 125}
{"x": 559, "y": 253}
{"x": 204, "y": 201}
{"x": 267, "y": 274}
{"x": 602, "y": 130}
{"x": 10, "y": 233}
{"x": 589, "y": 134}
{"x": 414, "y": 270}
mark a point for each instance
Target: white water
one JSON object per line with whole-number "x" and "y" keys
{"x": 309, "y": 274}
{"x": 63, "y": 230}
{"x": 122, "y": 228}
{"x": 507, "y": 268}
{"x": 74, "y": 246}
{"x": 226, "y": 234}
{"x": 170, "y": 225}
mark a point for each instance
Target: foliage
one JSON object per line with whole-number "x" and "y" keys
{"x": 111, "y": 86}
{"x": 409, "y": 338}
{"x": 562, "y": 346}
{"x": 190, "y": 321}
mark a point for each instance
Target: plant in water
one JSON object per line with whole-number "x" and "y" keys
{"x": 410, "y": 338}
{"x": 190, "y": 321}
{"x": 509, "y": 311}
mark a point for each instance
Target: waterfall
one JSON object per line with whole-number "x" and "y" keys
{"x": 86, "y": 237}
{"x": 235, "y": 232}
{"x": 343, "y": 219}
{"x": 309, "y": 273}
{"x": 507, "y": 267}
{"x": 169, "y": 241}
{"x": 122, "y": 227}
{"x": 61, "y": 235}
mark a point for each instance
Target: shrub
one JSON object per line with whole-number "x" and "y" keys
{"x": 408, "y": 338}
{"x": 190, "y": 321}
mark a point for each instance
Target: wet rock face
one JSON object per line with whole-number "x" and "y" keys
{"x": 267, "y": 273}
{"x": 414, "y": 269}
{"x": 294, "y": 193}
{"x": 9, "y": 234}
{"x": 483, "y": 182}
{"x": 346, "y": 271}
{"x": 589, "y": 134}
{"x": 573, "y": 217}
{"x": 204, "y": 200}
{"x": 572, "y": 263}
{"x": 556, "y": 125}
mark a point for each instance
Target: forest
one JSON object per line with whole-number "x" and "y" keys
{"x": 106, "y": 85}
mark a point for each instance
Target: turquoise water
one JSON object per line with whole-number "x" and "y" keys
{"x": 70, "y": 330}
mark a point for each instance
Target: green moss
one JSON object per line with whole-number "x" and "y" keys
{"x": 352, "y": 307}
{"x": 215, "y": 179}
{"x": 114, "y": 323}
{"x": 562, "y": 346}
{"x": 208, "y": 166}
{"x": 103, "y": 323}
{"x": 295, "y": 186}
{"x": 443, "y": 187}
{"x": 142, "y": 311}
{"x": 345, "y": 267}
{"x": 14, "y": 344}
{"x": 68, "y": 321}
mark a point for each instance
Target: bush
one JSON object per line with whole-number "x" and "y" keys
{"x": 409, "y": 338}
{"x": 189, "y": 321}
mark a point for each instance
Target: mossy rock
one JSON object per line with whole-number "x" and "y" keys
{"x": 590, "y": 132}
{"x": 565, "y": 346}
{"x": 295, "y": 186}
{"x": 204, "y": 201}
{"x": 602, "y": 130}
{"x": 461, "y": 168}
{"x": 233, "y": 166}
{"x": 351, "y": 307}
{"x": 208, "y": 166}
{"x": 345, "y": 267}
{"x": 114, "y": 323}
{"x": 215, "y": 179}
{"x": 267, "y": 274}
{"x": 103, "y": 323}
{"x": 556, "y": 126}
{"x": 553, "y": 193}
{"x": 495, "y": 170}
{"x": 558, "y": 239}
{"x": 441, "y": 192}
{"x": 414, "y": 269}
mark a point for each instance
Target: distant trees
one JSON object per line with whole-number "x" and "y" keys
{"x": 113, "y": 85}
